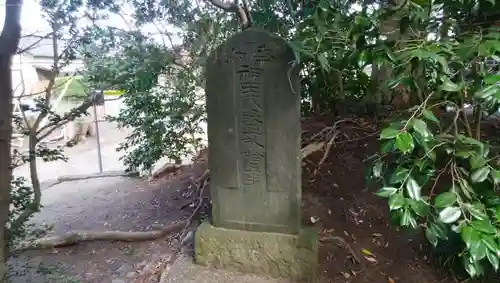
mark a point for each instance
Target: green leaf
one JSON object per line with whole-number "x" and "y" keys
{"x": 470, "y": 267}
{"x": 486, "y": 92}
{"x": 386, "y": 192}
{"x": 388, "y": 133}
{"x": 421, "y": 127}
{"x": 450, "y": 214}
{"x": 496, "y": 176}
{"x": 430, "y": 116}
{"x": 445, "y": 199}
{"x": 325, "y": 65}
{"x": 431, "y": 236}
{"x": 377, "y": 169}
{"x": 399, "y": 175}
{"x": 484, "y": 226}
{"x": 492, "y": 79}
{"x": 490, "y": 243}
{"x": 480, "y": 174}
{"x": 413, "y": 188}
{"x": 440, "y": 229}
{"x": 448, "y": 85}
{"x": 493, "y": 259}
{"x": 404, "y": 142}
{"x": 387, "y": 146}
{"x": 420, "y": 207}
{"x": 407, "y": 219}
{"x": 476, "y": 161}
{"x": 442, "y": 61}
{"x": 478, "y": 250}
{"x": 470, "y": 236}
{"x": 396, "y": 201}
{"x": 476, "y": 210}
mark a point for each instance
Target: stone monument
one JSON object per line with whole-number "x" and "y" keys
{"x": 253, "y": 111}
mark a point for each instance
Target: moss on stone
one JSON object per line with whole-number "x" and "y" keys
{"x": 278, "y": 255}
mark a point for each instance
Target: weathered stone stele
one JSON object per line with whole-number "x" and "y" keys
{"x": 253, "y": 111}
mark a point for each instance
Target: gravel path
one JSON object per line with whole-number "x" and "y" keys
{"x": 108, "y": 203}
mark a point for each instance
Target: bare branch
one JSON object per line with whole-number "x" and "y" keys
{"x": 19, "y": 51}
{"x": 233, "y": 8}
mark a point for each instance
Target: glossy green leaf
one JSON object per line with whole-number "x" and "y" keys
{"x": 486, "y": 92}
{"x": 387, "y": 146}
{"x": 396, "y": 201}
{"x": 470, "y": 236}
{"x": 450, "y": 214}
{"x": 404, "y": 142}
{"x": 325, "y": 65}
{"x": 386, "y": 192}
{"x": 489, "y": 241}
{"x": 440, "y": 229}
{"x": 476, "y": 210}
{"x": 445, "y": 199}
{"x": 480, "y": 174}
{"x": 420, "y": 207}
{"x": 496, "y": 176}
{"x": 478, "y": 250}
{"x": 388, "y": 133}
{"x": 493, "y": 259}
{"x": 407, "y": 219}
{"x": 413, "y": 189}
{"x": 492, "y": 79}
{"x": 449, "y": 86}
{"x": 430, "y": 116}
{"x": 377, "y": 169}
{"x": 421, "y": 127}
{"x": 399, "y": 175}
{"x": 484, "y": 226}
{"x": 431, "y": 236}
{"x": 476, "y": 161}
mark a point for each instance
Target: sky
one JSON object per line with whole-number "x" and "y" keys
{"x": 33, "y": 22}
{"x": 31, "y": 19}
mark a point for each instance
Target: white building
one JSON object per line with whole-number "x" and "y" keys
{"x": 35, "y": 62}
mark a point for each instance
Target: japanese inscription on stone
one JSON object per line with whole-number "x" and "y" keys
{"x": 254, "y": 134}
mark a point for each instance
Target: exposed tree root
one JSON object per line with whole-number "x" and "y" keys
{"x": 77, "y": 237}
{"x": 344, "y": 244}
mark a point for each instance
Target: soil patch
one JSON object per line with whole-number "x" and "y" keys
{"x": 337, "y": 200}
{"x": 102, "y": 204}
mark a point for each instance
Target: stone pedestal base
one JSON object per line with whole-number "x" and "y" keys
{"x": 278, "y": 255}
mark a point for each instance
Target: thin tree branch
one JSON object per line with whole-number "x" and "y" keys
{"x": 233, "y": 8}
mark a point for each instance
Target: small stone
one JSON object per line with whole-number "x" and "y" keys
{"x": 141, "y": 264}
{"x": 118, "y": 281}
{"x": 109, "y": 261}
{"x": 124, "y": 269}
{"x": 130, "y": 275}
{"x": 187, "y": 238}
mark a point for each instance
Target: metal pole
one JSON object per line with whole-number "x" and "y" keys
{"x": 96, "y": 121}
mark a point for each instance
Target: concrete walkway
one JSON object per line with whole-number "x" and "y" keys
{"x": 185, "y": 271}
{"x": 83, "y": 158}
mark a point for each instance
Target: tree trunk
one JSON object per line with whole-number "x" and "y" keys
{"x": 9, "y": 40}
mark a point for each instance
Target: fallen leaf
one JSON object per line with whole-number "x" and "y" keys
{"x": 371, "y": 259}
{"x": 391, "y": 280}
{"x": 314, "y": 219}
{"x": 367, "y": 252}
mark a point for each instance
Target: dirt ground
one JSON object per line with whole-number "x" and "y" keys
{"x": 338, "y": 200}
{"x": 102, "y": 204}
{"x": 335, "y": 199}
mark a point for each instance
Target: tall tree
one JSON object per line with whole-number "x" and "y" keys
{"x": 9, "y": 40}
